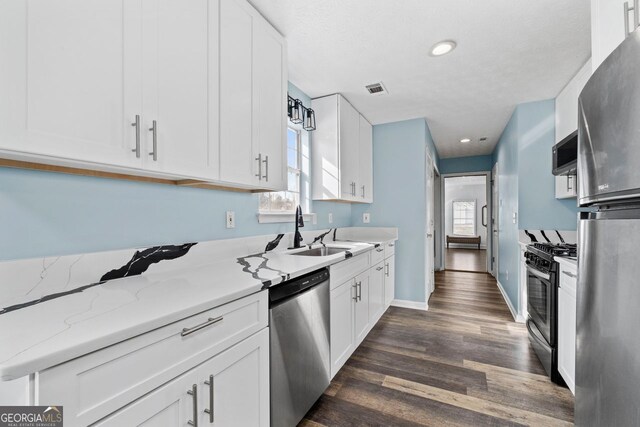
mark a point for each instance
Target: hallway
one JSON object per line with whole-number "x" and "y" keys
{"x": 462, "y": 259}
{"x": 463, "y": 362}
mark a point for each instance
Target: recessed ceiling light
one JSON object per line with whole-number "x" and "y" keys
{"x": 465, "y": 140}
{"x": 443, "y": 47}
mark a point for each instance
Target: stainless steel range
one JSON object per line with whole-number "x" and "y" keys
{"x": 542, "y": 302}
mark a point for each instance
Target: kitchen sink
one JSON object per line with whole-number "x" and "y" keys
{"x": 321, "y": 251}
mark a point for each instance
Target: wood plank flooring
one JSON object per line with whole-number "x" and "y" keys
{"x": 464, "y": 362}
{"x": 462, "y": 259}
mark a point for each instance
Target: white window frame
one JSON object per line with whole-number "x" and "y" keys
{"x": 453, "y": 217}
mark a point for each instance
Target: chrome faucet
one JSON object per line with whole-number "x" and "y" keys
{"x": 297, "y": 237}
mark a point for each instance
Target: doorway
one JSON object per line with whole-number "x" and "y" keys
{"x": 467, "y": 217}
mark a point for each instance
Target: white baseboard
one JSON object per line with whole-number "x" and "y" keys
{"x": 516, "y": 316}
{"x": 416, "y": 305}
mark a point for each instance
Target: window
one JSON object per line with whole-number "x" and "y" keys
{"x": 464, "y": 218}
{"x": 286, "y": 201}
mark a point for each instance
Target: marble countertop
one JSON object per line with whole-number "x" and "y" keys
{"x": 55, "y": 324}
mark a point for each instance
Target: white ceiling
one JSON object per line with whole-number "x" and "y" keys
{"x": 509, "y": 52}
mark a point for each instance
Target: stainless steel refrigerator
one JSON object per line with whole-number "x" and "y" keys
{"x": 608, "y": 317}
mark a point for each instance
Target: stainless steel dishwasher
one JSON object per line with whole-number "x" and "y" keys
{"x": 299, "y": 343}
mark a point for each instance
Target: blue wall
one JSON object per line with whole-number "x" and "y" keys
{"x": 399, "y": 198}
{"x": 539, "y": 208}
{"x": 466, "y": 164}
{"x": 45, "y": 213}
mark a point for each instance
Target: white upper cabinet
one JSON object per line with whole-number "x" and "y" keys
{"x": 71, "y": 79}
{"x": 365, "y": 169}
{"x": 180, "y": 75}
{"x": 167, "y": 88}
{"x": 567, "y": 103}
{"x": 253, "y": 88}
{"x": 608, "y": 27}
{"x": 341, "y": 152}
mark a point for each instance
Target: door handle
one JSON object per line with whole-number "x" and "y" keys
{"x": 210, "y": 409}
{"x": 259, "y": 174}
{"x": 266, "y": 168}
{"x": 136, "y": 124}
{"x": 154, "y": 131}
{"x": 194, "y": 393}
{"x": 484, "y": 215}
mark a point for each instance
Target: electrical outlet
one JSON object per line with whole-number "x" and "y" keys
{"x": 231, "y": 219}
{"x": 330, "y": 218}
{"x": 515, "y": 217}
{"x": 366, "y": 218}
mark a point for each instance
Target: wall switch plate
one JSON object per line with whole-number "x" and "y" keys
{"x": 231, "y": 219}
{"x": 515, "y": 217}
{"x": 366, "y": 218}
{"x": 330, "y": 218}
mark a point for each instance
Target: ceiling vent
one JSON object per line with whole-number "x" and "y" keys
{"x": 377, "y": 89}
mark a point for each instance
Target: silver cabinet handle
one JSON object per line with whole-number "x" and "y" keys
{"x": 266, "y": 168}
{"x": 379, "y": 268}
{"x": 259, "y": 174}
{"x": 363, "y": 191}
{"x": 387, "y": 272}
{"x": 391, "y": 245}
{"x": 154, "y": 131}
{"x": 136, "y": 124}
{"x": 210, "y": 409}
{"x": 211, "y": 321}
{"x": 569, "y": 274}
{"x": 355, "y": 285}
{"x": 354, "y": 190}
{"x": 379, "y": 249}
{"x": 194, "y": 393}
{"x": 359, "y": 291}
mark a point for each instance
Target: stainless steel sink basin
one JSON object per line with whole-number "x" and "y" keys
{"x": 321, "y": 251}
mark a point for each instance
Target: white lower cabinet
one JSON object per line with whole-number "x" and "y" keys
{"x": 389, "y": 280}
{"x": 342, "y": 308}
{"x": 567, "y": 325}
{"x": 231, "y": 389}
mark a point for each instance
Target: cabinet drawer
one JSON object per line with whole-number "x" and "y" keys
{"x": 348, "y": 269}
{"x": 377, "y": 255}
{"x": 99, "y": 383}
{"x": 568, "y": 280}
{"x": 389, "y": 249}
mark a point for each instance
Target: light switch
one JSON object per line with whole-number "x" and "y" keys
{"x": 515, "y": 217}
{"x": 366, "y": 218}
{"x": 330, "y": 218}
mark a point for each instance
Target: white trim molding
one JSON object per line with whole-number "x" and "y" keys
{"x": 517, "y": 317}
{"x": 415, "y": 305}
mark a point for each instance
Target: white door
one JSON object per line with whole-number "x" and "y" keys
{"x": 389, "y": 280}
{"x": 341, "y": 324}
{"x": 361, "y": 312}
{"x": 430, "y": 229}
{"x": 495, "y": 202}
{"x": 180, "y": 70}
{"x": 269, "y": 103}
{"x": 376, "y": 292}
{"x": 349, "y": 128}
{"x": 239, "y": 159}
{"x": 71, "y": 79}
{"x": 365, "y": 169}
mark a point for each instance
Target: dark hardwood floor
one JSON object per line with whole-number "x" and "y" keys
{"x": 464, "y": 362}
{"x": 463, "y": 259}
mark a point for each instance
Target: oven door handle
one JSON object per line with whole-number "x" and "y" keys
{"x": 538, "y": 274}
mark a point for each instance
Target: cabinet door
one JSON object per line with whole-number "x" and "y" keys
{"x": 567, "y": 332}
{"x": 376, "y": 293}
{"x": 240, "y": 390}
{"x": 389, "y": 280}
{"x": 270, "y": 90}
{"x": 82, "y": 90}
{"x": 180, "y": 70}
{"x": 168, "y": 405}
{"x": 361, "y": 313}
{"x": 349, "y": 140}
{"x": 341, "y": 324}
{"x": 607, "y": 27}
{"x": 238, "y": 154}
{"x": 365, "y": 190}
{"x": 566, "y": 187}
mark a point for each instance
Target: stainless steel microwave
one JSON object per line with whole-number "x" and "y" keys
{"x": 565, "y": 155}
